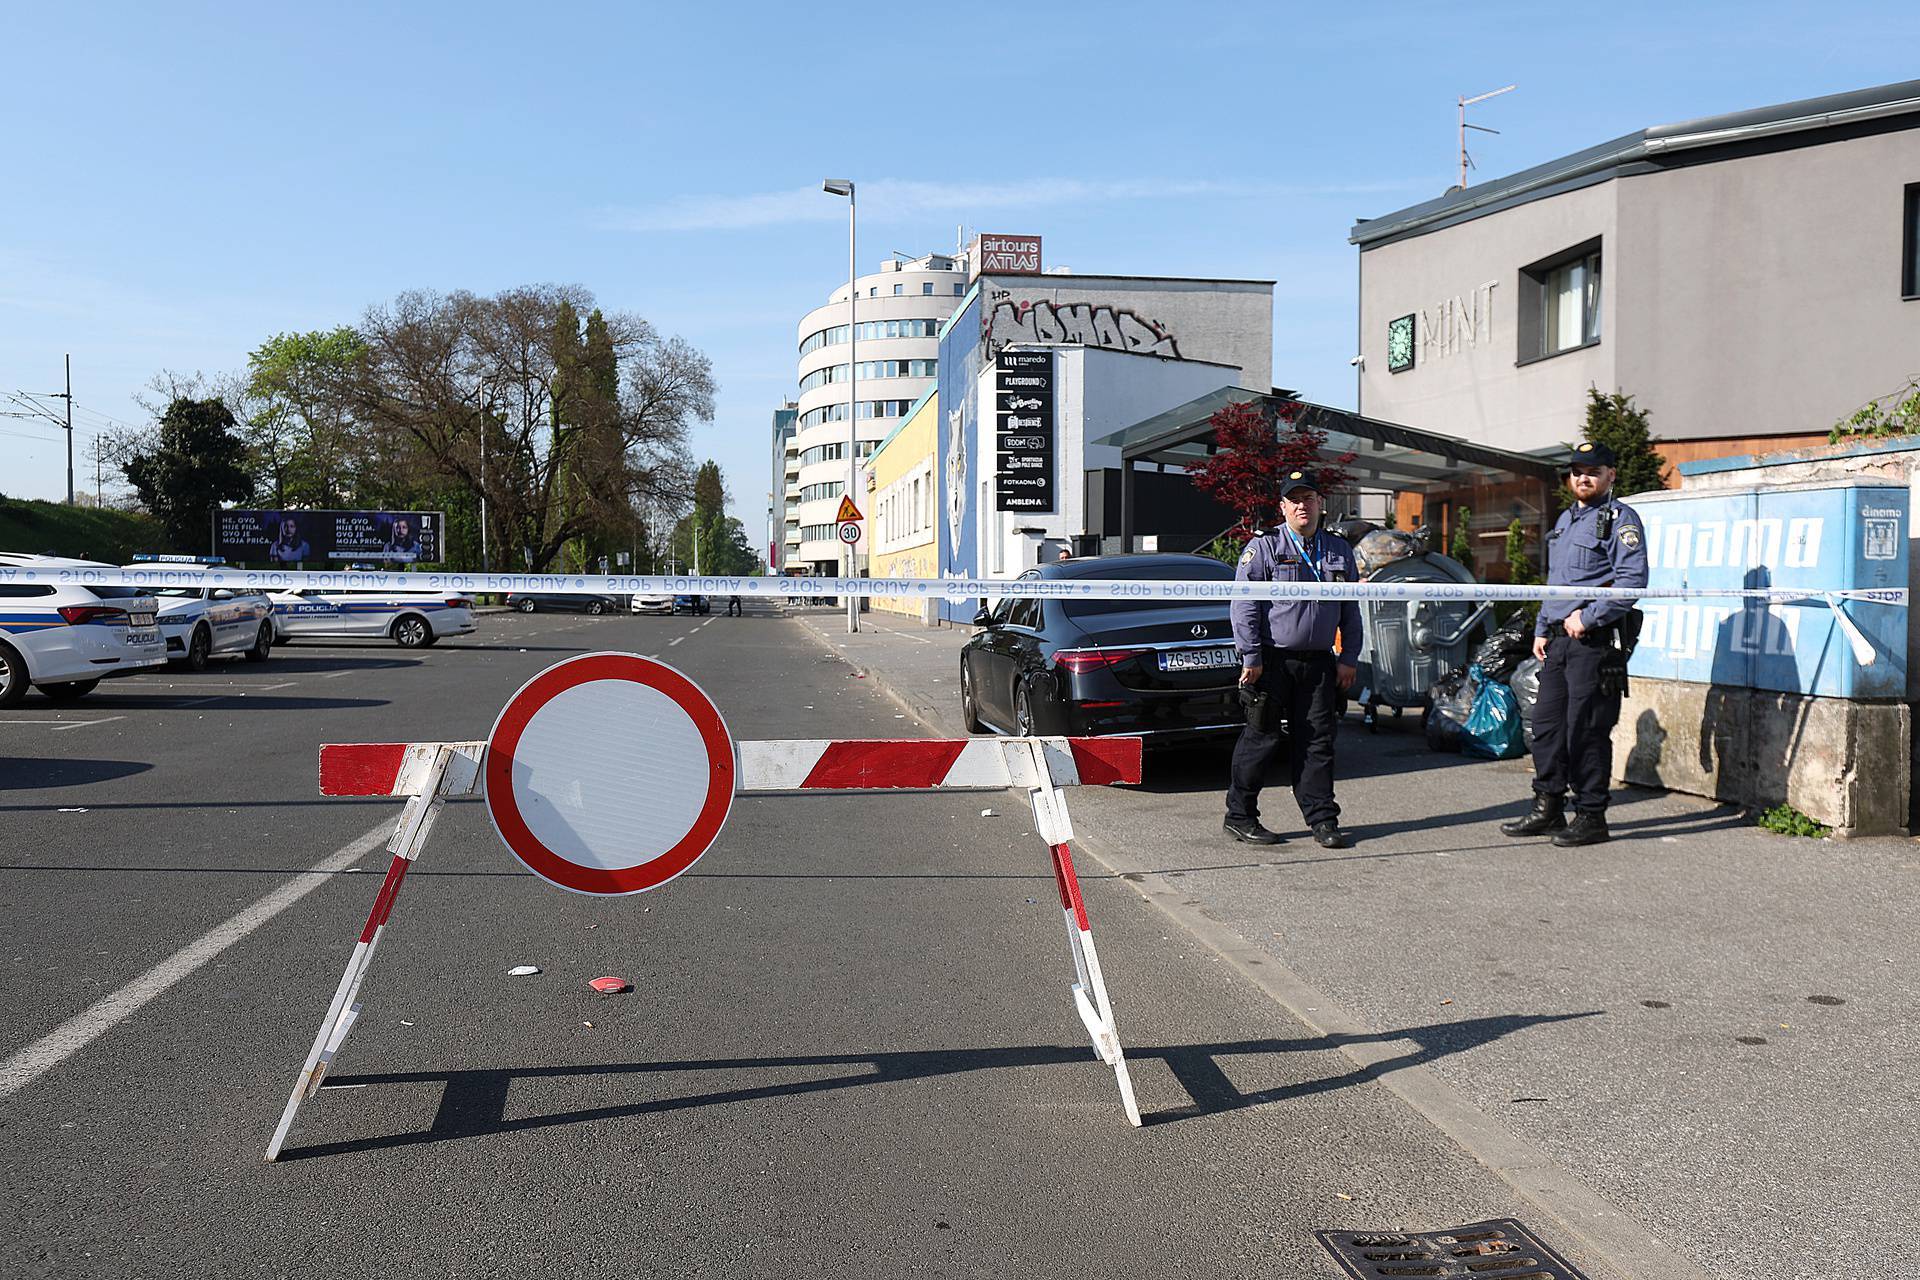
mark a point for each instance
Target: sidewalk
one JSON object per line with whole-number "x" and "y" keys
{"x": 1697, "y": 1038}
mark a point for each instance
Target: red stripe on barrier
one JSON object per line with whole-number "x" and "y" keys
{"x": 1069, "y": 885}
{"x": 884, "y": 764}
{"x": 1101, "y": 762}
{"x": 360, "y": 768}
{"x": 383, "y": 904}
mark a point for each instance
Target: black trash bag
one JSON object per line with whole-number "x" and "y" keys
{"x": 1525, "y": 683}
{"x": 1509, "y": 646}
{"x": 1449, "y": 703}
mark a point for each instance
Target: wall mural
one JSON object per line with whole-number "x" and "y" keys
{"x": 1092, "y": 324}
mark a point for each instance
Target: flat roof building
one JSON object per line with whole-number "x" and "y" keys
{"x": 1750, "y": 279}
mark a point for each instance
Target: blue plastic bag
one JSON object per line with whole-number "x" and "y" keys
{"x": 1493, "y": 730}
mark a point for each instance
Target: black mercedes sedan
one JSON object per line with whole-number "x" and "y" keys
{"x": 560, "y": 602}
{"x": 1163, "y": 670}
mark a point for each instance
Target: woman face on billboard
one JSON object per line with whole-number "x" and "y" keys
{"x": 288, "y": 529}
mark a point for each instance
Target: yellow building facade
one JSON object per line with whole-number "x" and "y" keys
{"x": 900, "y": 483}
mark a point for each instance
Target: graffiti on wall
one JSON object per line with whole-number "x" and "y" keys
{"x": 1093, "y": 324}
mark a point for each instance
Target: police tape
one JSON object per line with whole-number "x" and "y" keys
{"x": 1074, "y": 588}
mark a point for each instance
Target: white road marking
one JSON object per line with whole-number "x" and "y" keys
{"x": 81, "y": 1030}
{"x": 904, "y": 635}
{"x": 81, "y": 724}
{"x": 676, "y": 640}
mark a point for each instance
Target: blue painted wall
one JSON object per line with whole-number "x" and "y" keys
{"x": 1827, "y": 537}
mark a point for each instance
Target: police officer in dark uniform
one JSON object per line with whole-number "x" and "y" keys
{"x": 1287, "y": 666}
{"x": 1597, "y": 542}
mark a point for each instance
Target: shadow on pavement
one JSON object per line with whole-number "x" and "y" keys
{"x": 214, "y": 700}
{"x": 474, "y": 1103}
{"x": 30, "y": 775}
{"x": 1359, "y": 754}
{"x": 282, "y": 665}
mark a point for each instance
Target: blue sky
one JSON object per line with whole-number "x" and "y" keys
{"x": 184, "y": 180}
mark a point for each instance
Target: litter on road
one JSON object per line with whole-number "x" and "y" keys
{"x": 610, "y": 986}
{"x": 523, "y": 970}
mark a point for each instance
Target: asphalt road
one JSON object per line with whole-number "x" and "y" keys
{"x": 849, "y": 1052}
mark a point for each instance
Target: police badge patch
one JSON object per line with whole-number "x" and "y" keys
{"x": 1246, "y": 557}
{"x": 1631, "y": 536}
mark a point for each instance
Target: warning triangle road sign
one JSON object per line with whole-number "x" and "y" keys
{"x": 847, "y": 510}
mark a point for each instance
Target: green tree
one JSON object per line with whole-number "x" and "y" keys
{"x": 1520, "y": 570}
{"x": 1895, "y": 414}
{"x": 303, "y": 448}
{"x": 193, "y": 463}
{"x": 1462, "y": 548}
{"x": 445, "y": 373}
{"x": 1615, "y": 421}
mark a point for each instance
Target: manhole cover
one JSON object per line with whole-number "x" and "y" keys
{"x": 1498, "y": 1250}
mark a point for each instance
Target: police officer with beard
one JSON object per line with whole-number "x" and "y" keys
{"x": 1597, "y": 542}
{"x": 1288, "y": 670}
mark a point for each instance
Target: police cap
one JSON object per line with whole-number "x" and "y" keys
{"x": 1589, "y": 454}
{"x": 1300, "y": 480}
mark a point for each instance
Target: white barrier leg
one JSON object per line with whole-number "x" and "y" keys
{"x": 409, "y": 835}
{"x": 1090, "y": 991}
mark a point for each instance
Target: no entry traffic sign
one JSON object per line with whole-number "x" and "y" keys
{"x": 609, "y": 773}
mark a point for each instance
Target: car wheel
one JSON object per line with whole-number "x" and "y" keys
{"x": 1023, "y": 710}
{"x": 13, "y": 676}
{"x": 262, "y": 644}
{"x": 69, "y": 690}
{"x": 199, "y": 649}
{"x": 969, "y": 709}
{"x": 524, "y": 605}
{"x": 596, "y": 608}
{"x": 412, "y": 632}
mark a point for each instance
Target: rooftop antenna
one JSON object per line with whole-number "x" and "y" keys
{"x": 1466, "y": 161}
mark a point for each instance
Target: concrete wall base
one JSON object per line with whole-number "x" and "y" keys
{"x": 1840, "y": 762}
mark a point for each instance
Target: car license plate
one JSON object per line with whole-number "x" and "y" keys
{"x": 139, "y": 621}
{"x": 1198, "y": 659}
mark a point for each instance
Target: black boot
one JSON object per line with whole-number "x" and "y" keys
{"x": 1589, "y": 826}
{"x": 1249, "y": 831}
{"x": 1549, "y": 814}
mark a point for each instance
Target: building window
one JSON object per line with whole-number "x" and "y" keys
{"x": 1910, "y": 252}
{"x": 1560, "y": 303}
{"x": 926, "y": 288}
{"x": 899, "y": 289}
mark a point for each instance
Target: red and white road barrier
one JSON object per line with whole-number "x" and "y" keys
{"x": 611, "y": 774}
{"x": 1040, "y": 766}
{"x": 426, "y": 773}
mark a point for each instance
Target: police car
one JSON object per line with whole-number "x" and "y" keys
{"x": 200, "y": 622}
{"x": 66, "y": 638}
{"x": 411, "y": 619}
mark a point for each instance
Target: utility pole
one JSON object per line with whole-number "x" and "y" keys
{"x": 1465, "y": 161}
{"x": 68, "y": 397}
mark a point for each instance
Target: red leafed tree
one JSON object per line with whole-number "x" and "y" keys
{"x": 1255, "y": 455}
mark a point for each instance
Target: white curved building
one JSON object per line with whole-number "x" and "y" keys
{"x": 900, "y": 309}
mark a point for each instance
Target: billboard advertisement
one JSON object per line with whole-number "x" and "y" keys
{"x": 296, "y": 537}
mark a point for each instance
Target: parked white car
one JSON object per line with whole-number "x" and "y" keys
{"x": 652, "y": 604}
{"x": 200, "y": 623}
{"x": 65, "y": 639}
{"x": 411, "y": 619}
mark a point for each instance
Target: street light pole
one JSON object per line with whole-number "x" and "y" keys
{"x": 844, "y": 187}
{"x": 486, "y": 565}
